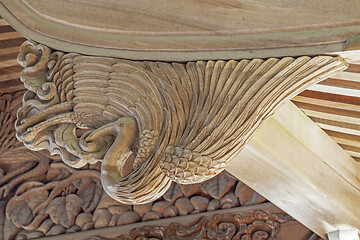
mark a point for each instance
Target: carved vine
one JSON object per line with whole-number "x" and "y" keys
{"x": 151, "y": 123}
{"x": 17, "y": 163}
{"x": 45, "y": 197}
{"x": 70, "y": 200}
{"x": 258, "y": 224}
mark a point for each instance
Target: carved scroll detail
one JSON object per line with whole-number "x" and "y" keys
{"x": 258, "y": 224}
{"x": 68, "y": 200}
{"x": 151, "y": 123}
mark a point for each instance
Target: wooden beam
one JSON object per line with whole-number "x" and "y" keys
{"x": 344, "y": 235}
{"x": 194, "y": 30}
{"x": 298, "y": 167}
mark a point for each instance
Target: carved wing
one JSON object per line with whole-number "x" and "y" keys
{"x": 217, "y": 106}
{"x": 107, "y": 89}
{"x": 205, "y": 112}
{"x": 191, "y": 118}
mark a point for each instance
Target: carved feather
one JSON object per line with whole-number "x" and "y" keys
{"x": 191, "y": 117}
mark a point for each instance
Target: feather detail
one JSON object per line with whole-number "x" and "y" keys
{"x": 212, "y": 108}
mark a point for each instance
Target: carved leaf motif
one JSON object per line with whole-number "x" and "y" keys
{"x": 19, "y": 213}
{"x": 56, "y": 230}
{"x": 190, "y": 189}
{"x": 106, "y": 201}
{"x": 34, "y": 198}
{"x": 91, "y": 193}
{"x": 173, "y": 193}
{"x": 243, "y": 193}
{"x": 45, "y": 226}
{"x": 63, "y": 210}
{"x": 10, "y": 230}
{"x": 256, "y": 198}
{"x": 101, "y": 218}
{"x": 218, "y": 186}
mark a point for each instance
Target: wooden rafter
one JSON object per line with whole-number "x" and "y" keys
{"x": 334, "y": 104}
{"x": 298, "y": 167}
{"x": 10, "y": 41}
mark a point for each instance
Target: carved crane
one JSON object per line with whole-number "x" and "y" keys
{"x": 151, "y": 123}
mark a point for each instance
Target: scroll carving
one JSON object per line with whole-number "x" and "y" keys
{"x": 70, "y": 200}
{"x": 258, "y": 224}
{"x": 151, "y": 123}
{"x": 44, "y": 197}
{"x": 17, "y": 164}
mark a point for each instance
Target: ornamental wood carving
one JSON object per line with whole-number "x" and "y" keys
{"x": 45, "y": 197}
{"x": 151, "y": 123}
{"x": 70, "y": 200}
{"x": 17, "y": 163}
{"x": 258, "y": 224}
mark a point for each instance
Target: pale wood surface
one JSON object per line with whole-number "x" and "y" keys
{"x": 294, "y": 164}
{"x": 344, "y": 235}
{"x": 334, "y": 104}
{"x": 187, "y": 30}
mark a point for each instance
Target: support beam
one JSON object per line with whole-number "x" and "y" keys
{"x": 344, "y": 235}
{"x": 298, "y": 167}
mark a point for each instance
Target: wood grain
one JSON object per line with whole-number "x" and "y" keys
{"x": 335, "y": 105}
{"x": 187, "y": 30}
{"x": 10, "y": 42}
{"x": 313, "y": 175}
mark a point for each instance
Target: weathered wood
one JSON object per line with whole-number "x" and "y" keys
{"x": 294, "y": 164}
{"x": 187, "y": 30}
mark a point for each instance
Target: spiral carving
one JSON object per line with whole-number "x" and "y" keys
{"x": 258, "y": 224}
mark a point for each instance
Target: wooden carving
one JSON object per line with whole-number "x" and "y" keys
{"x": 17, "y": 163}
{"x": 72, "y": 200}
{"x": 258, "y": 224}
{"x": 151, "y": 123}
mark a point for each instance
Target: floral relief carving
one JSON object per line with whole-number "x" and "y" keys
{"x": 153, "y": 122}
{"x": 63, "y": 200}
{"x": 12, "y": 171}
{"x": 69, "y": 200}
{"x": 258, "y": 224}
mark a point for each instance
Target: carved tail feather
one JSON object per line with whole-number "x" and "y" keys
{"x": 235, "y": 109}
{"x": 147, "y": 144}
{"x": 289, "y": 84}
{"x": 188, "y": 167}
